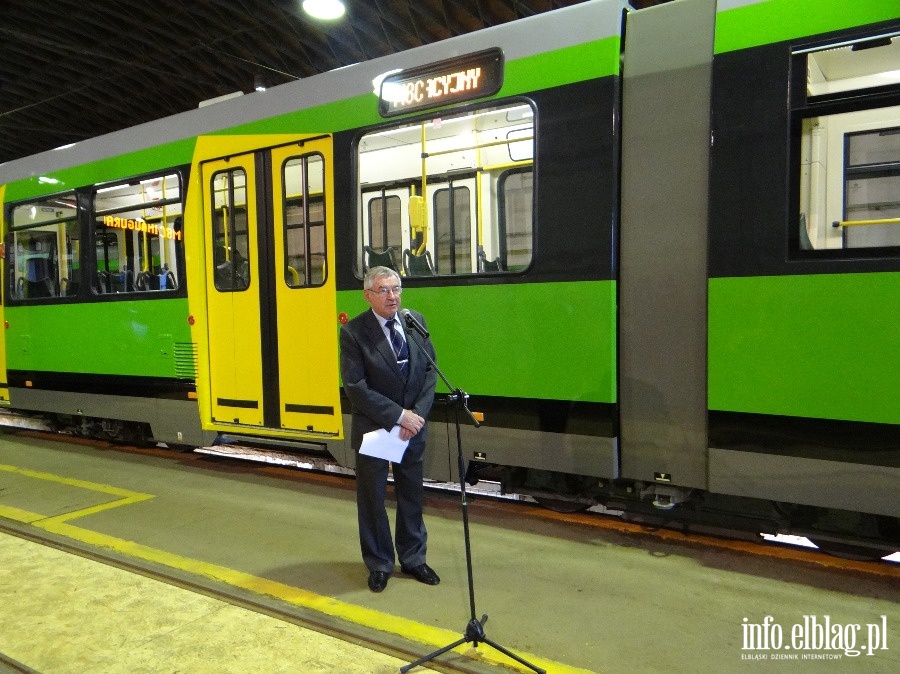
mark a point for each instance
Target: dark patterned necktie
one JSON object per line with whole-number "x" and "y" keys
{"x": 401, "y": 350}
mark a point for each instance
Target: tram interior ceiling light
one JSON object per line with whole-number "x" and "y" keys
{"x": 259, "y": 84}
{"x": 324, "y": 9}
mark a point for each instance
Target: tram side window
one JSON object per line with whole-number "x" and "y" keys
{"x": 43, "y": 258}
{"x": 305, "y": 260}
{"x": 383, "y": 210}
{"x": 433, "y": 193}
{"x": 229, "y": 231}
{"x": 453, "y": 225}
{"x": 515, "y": 235}
{"x": 138, "y": 236}
{"x": 849, "y": 146}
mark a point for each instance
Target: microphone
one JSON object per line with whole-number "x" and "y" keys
{"x": 411, "y": 322}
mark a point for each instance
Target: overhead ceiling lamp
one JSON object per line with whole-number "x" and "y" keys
{"x": 324, "y": 9}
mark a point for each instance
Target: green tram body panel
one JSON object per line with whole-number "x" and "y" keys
{"x": 817, "y": 346}
{"x": 130, "y": 338}
{"x": 104, "y": 170}
{"x": 759, "y": 23}
{"x": 569, "y": 354}
{"x": 821, "y": 346}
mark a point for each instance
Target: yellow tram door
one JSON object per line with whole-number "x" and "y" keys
{"x": 233, "y": 298}
{"x": 271, "y": 290}
{"x": 305, "y": 288}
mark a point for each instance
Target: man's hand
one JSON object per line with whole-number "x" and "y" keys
{"x": 410, "y": 424}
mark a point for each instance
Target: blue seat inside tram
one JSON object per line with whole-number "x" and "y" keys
{"x": 37, "y": 281}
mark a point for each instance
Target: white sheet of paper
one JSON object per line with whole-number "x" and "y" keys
{"x": 384, "y": 445}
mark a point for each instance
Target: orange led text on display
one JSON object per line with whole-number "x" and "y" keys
{"x": 452, "y": 81}
{"x": 436, "y": 87}
{"x": 141, "y": 226}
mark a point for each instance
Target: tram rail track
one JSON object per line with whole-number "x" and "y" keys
{"x": 381, "y": 642}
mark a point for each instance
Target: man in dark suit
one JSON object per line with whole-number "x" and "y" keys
{"x": 389, "y": 382}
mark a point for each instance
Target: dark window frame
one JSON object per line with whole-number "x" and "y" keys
{"x": 804, "y": 106}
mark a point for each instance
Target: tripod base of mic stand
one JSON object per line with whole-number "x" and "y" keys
{"x": 474, "y": 635}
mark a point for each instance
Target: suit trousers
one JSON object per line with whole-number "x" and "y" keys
{"x": 374, "y": 526}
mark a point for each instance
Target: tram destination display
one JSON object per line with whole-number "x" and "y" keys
{"x": 465, "y": 78}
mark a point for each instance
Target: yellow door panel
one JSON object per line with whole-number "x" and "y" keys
{"x": 305, "y": 290}
{"x": 232, "y": 280}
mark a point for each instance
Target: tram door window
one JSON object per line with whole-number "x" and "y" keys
{"x": 304, "y": 209}
{"x": 449, "y": 174}
{"x": 42, "y": 260}
{"x": 849, "y": 144}
{"x": 138, "y": 235}
{"x": 231, "y": 247}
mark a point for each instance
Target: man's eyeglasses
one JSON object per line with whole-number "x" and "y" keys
{"x": 396, "y": 290}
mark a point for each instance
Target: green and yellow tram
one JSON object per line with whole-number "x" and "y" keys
{"x": 659, "y": 248}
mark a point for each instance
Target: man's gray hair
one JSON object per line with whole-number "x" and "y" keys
{"x": 378, "y": 272}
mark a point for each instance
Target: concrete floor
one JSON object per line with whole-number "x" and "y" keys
{"x": 567, "y": 595}
{"x": 65, "y": 613}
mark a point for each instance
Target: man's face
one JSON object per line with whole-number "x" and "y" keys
{"x": 384, "y": 296}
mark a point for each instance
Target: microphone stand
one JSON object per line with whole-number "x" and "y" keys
{"x": 474, "y": 632}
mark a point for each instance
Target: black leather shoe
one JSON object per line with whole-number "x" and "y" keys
{"x": 422, "y": 573}
{"x": 378, "y": 580}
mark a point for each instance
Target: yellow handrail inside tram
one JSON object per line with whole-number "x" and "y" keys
{"x": 857, "y": 223}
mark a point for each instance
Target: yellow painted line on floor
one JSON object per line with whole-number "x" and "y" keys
{"x": 19, "y": 515}
{"x": 126, "y": 497}
{"x": 435, "y": 637}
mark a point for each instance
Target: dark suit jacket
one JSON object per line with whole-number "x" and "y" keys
{"x": 372, "y": 379}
